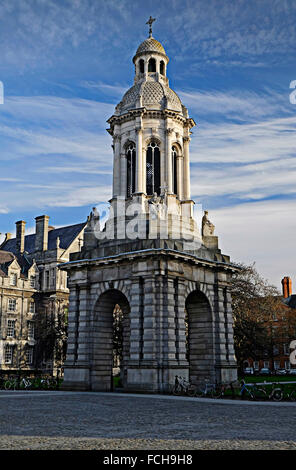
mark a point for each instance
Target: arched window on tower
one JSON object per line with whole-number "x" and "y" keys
{"x": 161, "y": 67}
{"x": 174, "y": 167}
{"x": 141, "y": 66}
{"x": 131, "y": 169}
{"x": 152, "y": 65}
{"x": 153, "y": 169}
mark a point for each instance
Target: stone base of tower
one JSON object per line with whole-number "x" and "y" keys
{"x": 177, "y": 320}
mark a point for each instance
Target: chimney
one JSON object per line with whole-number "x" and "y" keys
{"x": 20, "y": 236}
{"x": 41, "y": 237}
{"x": 287, "y": 287}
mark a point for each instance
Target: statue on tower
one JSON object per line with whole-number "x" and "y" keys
{"x": 207, "y": 229}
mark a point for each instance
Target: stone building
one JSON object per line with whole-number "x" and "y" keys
{"x": 33, "y": 292}
{"x": 149, "y": 260}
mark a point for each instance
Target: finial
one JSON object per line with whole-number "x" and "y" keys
{"x": 150, "y": 21}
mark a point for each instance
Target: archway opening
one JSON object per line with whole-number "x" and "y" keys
{"x": 111, "y": 341}
{"x": 199, "y": 338}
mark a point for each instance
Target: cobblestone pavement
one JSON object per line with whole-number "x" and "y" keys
{"x": 73, "y": 420}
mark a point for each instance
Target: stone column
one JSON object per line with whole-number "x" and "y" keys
{"x": 116, "y": 164}
{"x": 186, "y": 167}
{"x": 136, "y": 322}
{"x": 139, "y": 160}
{"x": 123, "y": 175}
{"x": 180, "y": 176}
{"x": 169, "y": 162}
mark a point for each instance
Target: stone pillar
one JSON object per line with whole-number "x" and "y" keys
{"x": 123, "y": 171}
{"x": 180, "y": 177}
{"x": 186, "y": 167}
{"x": 76, "y": 368}
{"x": 224, "y": 352}
{"x": 116, "y": 164}
{"x": 169, "y": 162}
{"x": 136, "y": 322}
{"x": 139, "y": 160}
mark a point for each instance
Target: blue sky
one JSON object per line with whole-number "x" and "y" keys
{"x": 66, "y": 64}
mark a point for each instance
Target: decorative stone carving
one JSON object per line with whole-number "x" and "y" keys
{"x": 207, "y": 227}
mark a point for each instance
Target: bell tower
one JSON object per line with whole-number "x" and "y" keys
{"x": 149, "y": 261}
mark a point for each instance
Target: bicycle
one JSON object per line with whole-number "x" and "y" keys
{"x": 15, "y": 383}
{"x": 10, "y": 383}
{"x": 292, "y": 395}
{"x": 276, "y": 393}
{"x": 221, "y": 390}
{"x": 209, "y": 389}
{"x": 182, "y": 386}
{"x": 253, "y": 391}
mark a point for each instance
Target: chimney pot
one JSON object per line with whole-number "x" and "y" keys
{"x": 287, "y": 287}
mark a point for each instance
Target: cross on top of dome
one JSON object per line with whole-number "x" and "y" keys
{"x": 150, "y": 21}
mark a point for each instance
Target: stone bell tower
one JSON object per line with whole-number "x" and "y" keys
{"x": 149, "y": 260}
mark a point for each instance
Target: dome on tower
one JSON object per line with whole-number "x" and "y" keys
{"x": 150, "y": 45}
{"x": 151, "y": 95}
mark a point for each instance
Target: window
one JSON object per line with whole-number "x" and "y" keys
{"x": 286, "y": 348}
{"x": 131, "y": 169}
{"x": 8, "y": 354}
{"x": 276, "y": 365}
{"x": 161, "y": 67}
{"x": 266, "y": 364}
{"x": 29, "y": 355}
{"x": 13, "y": 279}
{"x": 32, "y": 307}
{"x": 174, "y": 168}
{"x": 32, "y": 281}
{"x": 141, "y": 65}
{"x": 11, "y": 328}
{"x": 46, "y": 279}
{"x": 31, "y": 329}
{"x": 11, "y": 305}
{"x": 152, "y": 65}
{"x": 153, "y": 169}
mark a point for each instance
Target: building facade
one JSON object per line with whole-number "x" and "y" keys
{"x": 149, "y": 261}
{"x": 34, "y": 295}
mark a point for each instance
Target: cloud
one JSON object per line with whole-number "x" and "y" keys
{"x": 263, "y": 232}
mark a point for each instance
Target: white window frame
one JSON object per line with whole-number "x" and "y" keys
{"x": 11, "y": 303}
{"x": 8, "y": 354}
{"x": 10, "y": 328}
{"x": 33, "y": 282}
{"x": 29, "y": 355}
{"x": 31, "y": 329}
{"x": 13, "y": 279}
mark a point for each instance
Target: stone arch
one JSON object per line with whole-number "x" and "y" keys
{"x": 102, "y": 338}
{"x": 200, "y": 337}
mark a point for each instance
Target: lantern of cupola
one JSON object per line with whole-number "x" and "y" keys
{"x": 151, "y": 133}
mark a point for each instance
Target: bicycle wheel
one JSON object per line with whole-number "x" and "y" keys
{"x": 292, "y": 395}
{"x": 277, "y": 394}
{"x": 8, "y": 385}
{"x": 191, "y": 390}
{"x": 259, "y": 394}
{"x": 177, "y": 390}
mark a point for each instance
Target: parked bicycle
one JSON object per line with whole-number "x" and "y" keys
{"x": 183, "y": 387}
{"x": 252, "y": 391}
{"x": 208, "y": 390}
{"x": 222, "y": 389}
{"x": 16, "y": 383}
